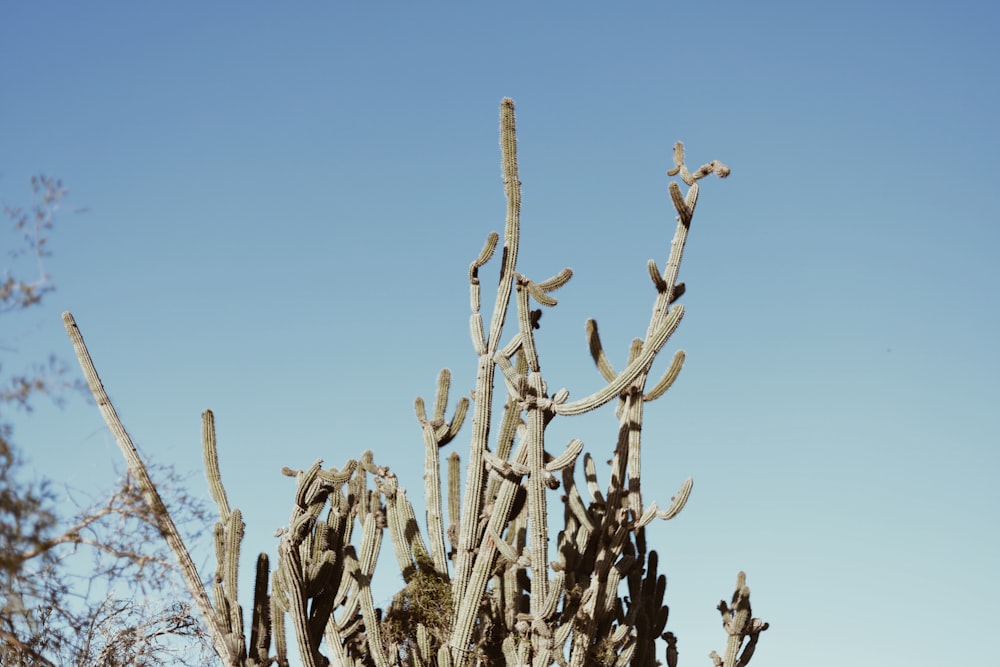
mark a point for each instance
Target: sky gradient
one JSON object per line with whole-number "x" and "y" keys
{"x": 282, "y": 205}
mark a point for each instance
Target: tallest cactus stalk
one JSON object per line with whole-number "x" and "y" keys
{"x": 470, "y": 535}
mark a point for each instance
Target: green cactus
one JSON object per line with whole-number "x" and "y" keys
{"x": 481, "y": 590}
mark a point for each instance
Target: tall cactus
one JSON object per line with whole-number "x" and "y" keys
{"x": 481, "y": 590}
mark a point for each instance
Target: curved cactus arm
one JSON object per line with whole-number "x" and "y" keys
{"x": 638, "y": 366}
{"x": 337, "y": 478}
{"x": 457, "y": 419}
{"x": 514, "y": 377}
{"x": 568, "y": 458}
{"x": 668, "y": 378}
{"x": 505, "y": 468}
{"x": 676, "y": 505}
{"x": 597, "y": 352}
{"x": 556, "y": 281}
{"x": 475, "y": 302}
{"x": 211, "y": 455}
{"x": 485, "y": 255}
{"x": 684, "y": 211}
{"x": 654, "y": 273}
{"x": 506, "y": 551}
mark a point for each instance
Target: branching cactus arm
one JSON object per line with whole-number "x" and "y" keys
{"x": 743, "y": 630}
{"x": 438, "y": 433}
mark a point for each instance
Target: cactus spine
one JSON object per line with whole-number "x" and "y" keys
{"x": 482, "y": 590}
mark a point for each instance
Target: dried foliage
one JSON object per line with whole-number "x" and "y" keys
{"x": 481, "y": 589}
{"x": 94, "y": 585}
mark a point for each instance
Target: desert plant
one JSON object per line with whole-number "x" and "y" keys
{"x": 481, "y": 589}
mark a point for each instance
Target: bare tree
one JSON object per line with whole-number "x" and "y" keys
{"x": 95, "y": 587}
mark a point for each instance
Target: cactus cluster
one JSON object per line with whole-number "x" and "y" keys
{"x": 481, "y": 588}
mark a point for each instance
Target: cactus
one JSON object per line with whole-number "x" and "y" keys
{"x": 481, "y": 590}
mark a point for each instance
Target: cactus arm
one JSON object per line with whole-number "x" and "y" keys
{"x": 668, "y": 378}
{"x": 537, "y": 503}
{"x": 432, "y": 494}
{"x": 234, "y": 537}
{"x": 437, "y": 433}
{"x": 556, "y": 281}
{"x": 260, "y": 624}
{"x": 567, "y": 458}
{"x": 654, "y": 273}
{"x": 597, "y": 352}
{"x": 506, "y": 551}
{"x": 590, "y": 474}
{"x": 211, "y": 455}
{"x": 676, "y": 505}
{"x": 509, "y": 425}
{"x": 740, "y": 627}
{"x": 638, "y": 366}
{"x": 454, "y": 497}
{"x": 574, "y": 503}
{"x": 512, "y": 226}
{"x": 441, "y": 395}
{"x": 475, "y": 302}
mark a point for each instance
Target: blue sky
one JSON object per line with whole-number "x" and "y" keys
{"x": 283, "y": 204}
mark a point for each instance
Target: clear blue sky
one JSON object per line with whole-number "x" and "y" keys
{"x": 284, "y": 201}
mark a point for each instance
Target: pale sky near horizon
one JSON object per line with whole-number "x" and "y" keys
{"x": 282, "y": 205}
